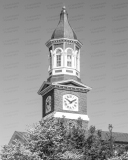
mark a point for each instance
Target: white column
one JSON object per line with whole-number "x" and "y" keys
{"x": 54, "y": 61}
{"x": 49, "y": 63}
{"x": 73, "y": 60}
{"x": 79, "y": 61}
{"x": 62, "y": 63}
{"x": 64, "y": 59}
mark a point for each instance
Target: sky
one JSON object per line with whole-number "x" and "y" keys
{"x": 25, "y": 27}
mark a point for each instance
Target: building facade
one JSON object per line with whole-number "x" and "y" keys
{"x": 63, "y": 93}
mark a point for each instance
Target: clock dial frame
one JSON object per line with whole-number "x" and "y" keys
{"x": 48, "y": 104}
{"x": 70, "y": 102}
{"x": 47, "y": 109}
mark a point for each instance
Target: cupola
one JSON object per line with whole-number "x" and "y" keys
{"x": 64, "y": 51}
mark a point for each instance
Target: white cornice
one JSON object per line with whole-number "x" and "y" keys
{"x": 47, "y": 89}
{"x": 45, "y": 82}
{"x": 74, "y": 81}
{"x": 67, "y": 115}
{"x": 71, "y": 115}
{"x": 60, "y": 85}
{"x": 63, "y": 39}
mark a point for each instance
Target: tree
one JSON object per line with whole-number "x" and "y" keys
{"x": 49, "y": 139}
{"x": 59, "y": 139}
{"x": 17, "y": 151}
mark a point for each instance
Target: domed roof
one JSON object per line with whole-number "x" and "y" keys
{"x": 63, "y": 29}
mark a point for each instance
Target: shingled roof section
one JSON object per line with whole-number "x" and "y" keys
{"x": 121, "y": 138}
{"x": 63, "y": 30}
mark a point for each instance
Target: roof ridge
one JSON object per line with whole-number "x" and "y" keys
{"x": 115, "y": 132}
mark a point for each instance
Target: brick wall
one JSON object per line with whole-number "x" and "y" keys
{"x": 58, "y": 101}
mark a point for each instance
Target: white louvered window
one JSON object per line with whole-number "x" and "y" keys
{"x": 58, "y": 57}
{"x": 69, "y": 58}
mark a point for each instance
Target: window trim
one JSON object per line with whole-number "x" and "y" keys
{"x": 60, "y": 54}
{"x": 71, "y": 60}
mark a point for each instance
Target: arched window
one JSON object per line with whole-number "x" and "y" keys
{"x": 69, "y": 58}
{"x": 58, "y": 57}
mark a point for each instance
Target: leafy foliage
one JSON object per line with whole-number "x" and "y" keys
{"x": 18, "y": 151}
{"x": 57, "y": 139}
{"x": 95, "y": 147}
{"x": 49, "y": 139}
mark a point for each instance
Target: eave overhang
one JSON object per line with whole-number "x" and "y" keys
{"x": 61, "y": 40}
{"x": 62, "y": 86}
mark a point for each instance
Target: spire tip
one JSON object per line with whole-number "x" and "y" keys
{"x": 64, "y": 7}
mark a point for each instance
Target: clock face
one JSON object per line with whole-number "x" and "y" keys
{"x": 48, "y": 104}
{"x": 70, "y": 102}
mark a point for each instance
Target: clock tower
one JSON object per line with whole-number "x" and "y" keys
{"x": 63, "y": 93}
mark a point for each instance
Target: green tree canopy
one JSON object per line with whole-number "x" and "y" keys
{"x": 57, "y": 139}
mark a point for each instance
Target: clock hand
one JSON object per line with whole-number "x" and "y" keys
{"x": 73, "y": 100}
{"x": 68, "y": 100}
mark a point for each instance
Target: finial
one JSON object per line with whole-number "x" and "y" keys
{"x": 63, "y": 9}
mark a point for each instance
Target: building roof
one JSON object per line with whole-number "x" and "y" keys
{"x": 118, "y": 137}
{"x": 121, "y": 138}
{"x": 63, "y": 29}
{"x": 21, "y": 136}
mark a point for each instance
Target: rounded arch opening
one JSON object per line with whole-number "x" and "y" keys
{"x": 69, "y": 52}
{"x": 58, "y": 53}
